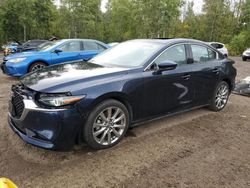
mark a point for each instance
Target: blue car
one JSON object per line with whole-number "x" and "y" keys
{"x": 51, "y": 53}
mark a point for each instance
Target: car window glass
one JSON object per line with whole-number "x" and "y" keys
{"x": 89, "y": 45}
{"x": 128, "y": 54}
{"x": 176, "y": 54}
{"x": 71, "y": 46}
{"x": 202, "y": 54}
{"x": 217, "y": 46}
{"x": 101, "y": 48}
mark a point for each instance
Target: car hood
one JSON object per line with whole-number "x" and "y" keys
{"x": 23, "y": 54}
{"x": 67, "y": 77}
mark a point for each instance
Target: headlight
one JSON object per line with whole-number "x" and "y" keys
{"x": 59, "y": 100}
{"x": 17, "y": 60}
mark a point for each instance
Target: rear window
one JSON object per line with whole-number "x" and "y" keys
{"x": 217, "y": 46}
{"x": 89, "y": 45}
{"x": 203, "y": 54}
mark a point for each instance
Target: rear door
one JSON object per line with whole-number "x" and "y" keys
{"x": 70, "y": 51}
{"x": 207, "y": 71}
{"x": 91, "y": 49}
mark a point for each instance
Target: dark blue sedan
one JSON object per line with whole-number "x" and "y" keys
{"x": 97, "y": 101}
{"x": 51, "y": 53}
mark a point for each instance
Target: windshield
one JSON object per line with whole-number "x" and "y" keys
{"x": 127, "y": 54}
{"x": 47, "y": 45}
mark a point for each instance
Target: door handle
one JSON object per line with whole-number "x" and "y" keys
{"x": 186, "y": 77}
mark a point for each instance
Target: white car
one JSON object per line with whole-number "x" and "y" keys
{"x": 112, "y": 44}
{"x": 246, "y": 54}
{"x": 220, "y": 47}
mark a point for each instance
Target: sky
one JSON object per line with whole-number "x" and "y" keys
{"x": 197, "y": 5}
{"x": 103, "y": 8}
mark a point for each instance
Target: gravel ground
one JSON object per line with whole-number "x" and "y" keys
{"x": 194, "y": 149}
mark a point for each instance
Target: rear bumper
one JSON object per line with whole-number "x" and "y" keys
{"x": 48, "y": 129}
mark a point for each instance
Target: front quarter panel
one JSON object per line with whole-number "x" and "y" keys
{"x": 128, "y": 89}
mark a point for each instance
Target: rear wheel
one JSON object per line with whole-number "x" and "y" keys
{"x": 36, "y": 66}
{"x": 106, "y": 125}
{"x": 220, "y": 96}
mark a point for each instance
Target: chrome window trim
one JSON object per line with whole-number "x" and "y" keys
{"x": 181, "y": 43}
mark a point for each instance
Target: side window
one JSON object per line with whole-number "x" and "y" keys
{"x": 202, "y": 54}
{"x": 212, "y": 55}
{"x": 89, "y": 45}
{"x": 101, "y": 48}
{"x": 175, "y": 53}
{"x": 74, "y": 46}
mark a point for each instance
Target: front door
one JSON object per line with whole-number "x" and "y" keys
{"x": 171, "y": 90}
{"x": 70, "y": 51}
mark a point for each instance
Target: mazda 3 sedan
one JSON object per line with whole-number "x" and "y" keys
{"x": 97, "y": 101}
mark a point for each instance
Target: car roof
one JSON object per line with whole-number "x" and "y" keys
{"x": 215, "y": 43}
{"x": 171, "y": 41}
{"x": 92, "y": 40}
{"x": 65, "y": 40}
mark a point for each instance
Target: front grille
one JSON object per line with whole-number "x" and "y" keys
{"x": 16, "y": 103}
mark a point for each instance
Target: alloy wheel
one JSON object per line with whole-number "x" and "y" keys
{"x": 109, "y": 126}
{"x": 37, "y": 67}
{"x": 222, "y": 96}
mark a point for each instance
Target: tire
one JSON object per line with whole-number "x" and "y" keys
{"x": 36, "y": 66}
{"x": 220, "y": 97}
{"x": 244, "y": 59}
{"x": 103, "y": 129}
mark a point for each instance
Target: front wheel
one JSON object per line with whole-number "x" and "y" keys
{"x": 36, "y": 66}
{"x": 244, "y": 58}
{"x": 220, "y": 96}
{"x": 106, "y": 125}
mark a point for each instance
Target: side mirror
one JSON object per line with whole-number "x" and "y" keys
{"x": 57, "y": 51}
{"x": 165, "y": 66}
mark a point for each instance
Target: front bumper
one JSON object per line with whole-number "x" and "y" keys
{"x": 16, "y": 70}
{"x": 47, "y": 128}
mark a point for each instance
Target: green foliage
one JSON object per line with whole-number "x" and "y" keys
{"x": 221, "y": 20}
{"x": 238, "y": 44}
{"x": 25, "y": 19}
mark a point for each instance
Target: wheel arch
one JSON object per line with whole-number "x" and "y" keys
{"x": 121, "y": 97}
{"x": 36, "y": 61}
{"x": 229, "y": 82}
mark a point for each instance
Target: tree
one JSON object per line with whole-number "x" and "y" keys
{"x": 24, "y": 19}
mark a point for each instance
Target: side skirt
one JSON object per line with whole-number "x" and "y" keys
{"x": 164, "y": 116}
